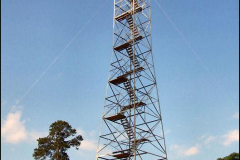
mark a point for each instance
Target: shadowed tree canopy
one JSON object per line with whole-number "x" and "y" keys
{"x": 61, "y": 137}
{"x": 233, "y": 156}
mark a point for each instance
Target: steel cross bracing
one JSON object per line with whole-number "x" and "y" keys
{"x": 132, "y": 126}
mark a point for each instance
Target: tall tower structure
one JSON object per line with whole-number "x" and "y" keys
{"x": 132, "y": 127}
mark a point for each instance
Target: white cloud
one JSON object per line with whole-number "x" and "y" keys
{"x": 227, "y": 139}
{"x": 230, "y": 137}
{"x": 88, "y": 143}
{"x": 13, "y": 129}
{"x": 183, "y": 151}
{"x": 192, "y": 151}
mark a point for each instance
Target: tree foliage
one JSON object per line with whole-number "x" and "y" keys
{"x": 61, "y": 137}
{"x": 233, "y": 156}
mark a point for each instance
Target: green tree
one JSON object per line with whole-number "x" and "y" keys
{"x": 233, "y": 156}
{"x": 61, "y": 137}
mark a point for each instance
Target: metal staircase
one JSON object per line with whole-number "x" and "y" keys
{"x": 133, "y": 57}
{"x": 130, "y": 91}
{"x": 128, "y": 128}
{"x": 132, "y": 26}
{"x": 128, "y": 86}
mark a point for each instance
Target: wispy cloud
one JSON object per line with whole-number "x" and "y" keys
{"x": 210, "y": 139}
{"x": 183, "y": 151}
{"x": 179, "y": 151}
{"x": 167, "y": 132}
{"x": 231, "y": 137}
{"x": 192, "y": 151}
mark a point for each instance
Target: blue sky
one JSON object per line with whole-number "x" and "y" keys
{"x": 200, "y": 110}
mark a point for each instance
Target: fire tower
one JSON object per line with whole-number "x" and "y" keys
{"x": 132, "y": 127}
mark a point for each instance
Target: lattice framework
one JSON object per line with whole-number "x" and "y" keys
{"x": 132, "y": 125}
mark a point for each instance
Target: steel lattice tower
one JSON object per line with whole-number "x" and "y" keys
{"x": 132, "y": 127}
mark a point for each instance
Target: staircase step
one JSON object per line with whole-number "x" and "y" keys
{"x": 128, "y": 43}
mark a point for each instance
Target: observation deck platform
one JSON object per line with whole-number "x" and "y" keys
{"x": 137, "y": 104}
{"x": 118, "y": 80}
{"x": 122, "y": 78}
{"x": 120, "y": 115}
{"x": 128, "y": 43}
{"x": 116, "y": 117}
{"x": 124, "y": 15}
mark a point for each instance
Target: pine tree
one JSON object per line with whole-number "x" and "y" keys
{"x": 233, "y": 156}
{"x": 55, "y": 145}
